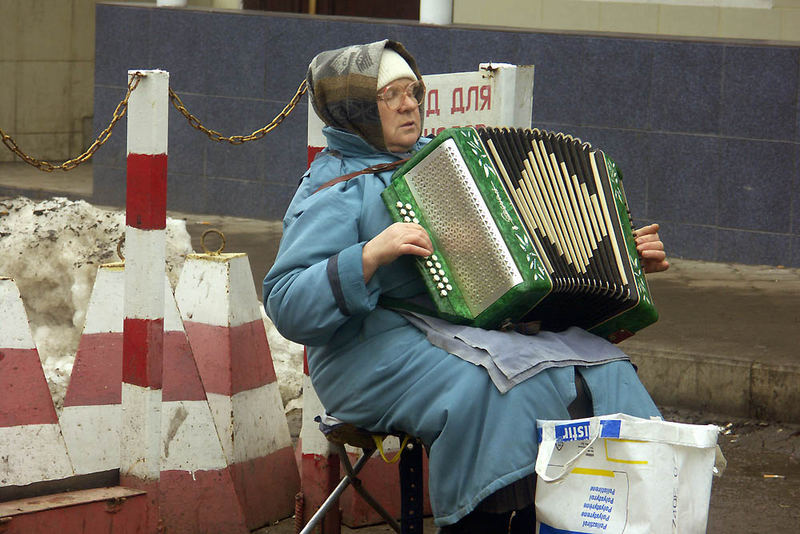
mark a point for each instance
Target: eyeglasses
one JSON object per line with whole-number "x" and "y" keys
{"x": 393, "y": 96}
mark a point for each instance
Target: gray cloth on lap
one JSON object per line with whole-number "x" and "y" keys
{"x": 510, "y": 357}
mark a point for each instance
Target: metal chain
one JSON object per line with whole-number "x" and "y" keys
{"x": 122, "y": 107}
{"x": 239, "y": 139}
{"x": 68, "y": 165}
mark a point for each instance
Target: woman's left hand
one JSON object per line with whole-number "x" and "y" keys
{"x": 651, "y": 249}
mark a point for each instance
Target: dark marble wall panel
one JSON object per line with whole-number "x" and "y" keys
{"x": 756, "y": 185}
{"x": 687, "y": 86}
{"x": 683, "y": 184}
{"x": 558, "y": 82}
{"x": 187, "y": 192}
{"x": 114, "y": 150}
{"x": 187, "y": 146}
{"x": 754, "y": 248}
{"x": 707, "y": 134}
{"x": 284, "y": 164}
{"x": 689, "y": 241}
{"x": 178, "y": 44}
{"x": 121, "y": 42}
{"x": 236, "y": 116}
{"x": 759, "y": 97}
{"x": 616, "y": 83}
{"x": 235, "y": 46}
{"x": 111, "y": 190}
{"x": 796, "y": 193}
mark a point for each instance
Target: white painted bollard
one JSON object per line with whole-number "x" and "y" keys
{"x": 436, "y": 11}
{"x": 31, "y": 446}
{"x": 197, "y": 489}
{"x": 222, "y": 317}
{"x": 143, "y": 328}
{"x": 91, "y": 418}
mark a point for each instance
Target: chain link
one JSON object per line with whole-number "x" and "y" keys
{"x": 122, "y": 107}
{"x": 239, "y": 139}
{"x": 68, "y": 165}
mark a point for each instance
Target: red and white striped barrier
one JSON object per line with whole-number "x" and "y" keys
{"x": 197, "y": 490}
{"x": 143, "y": 326}
{"x": 319, "y": 463}
{"x": 32, "y": 448}
{"x": 221, "y": 315}
{"x": 91, "y": 417}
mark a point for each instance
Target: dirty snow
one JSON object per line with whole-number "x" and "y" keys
{"x": 53, "y": 248}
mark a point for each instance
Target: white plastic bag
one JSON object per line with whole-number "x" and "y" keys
{"x": 617, "y": 473}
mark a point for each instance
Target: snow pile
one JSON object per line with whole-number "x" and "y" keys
{"x": 287, "y": 357}
{"x": 53, "y": 248}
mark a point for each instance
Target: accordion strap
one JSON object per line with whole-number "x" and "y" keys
{"x": 369, "y": 170}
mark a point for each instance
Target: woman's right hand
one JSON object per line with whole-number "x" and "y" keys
{"x": 397, "y": 240}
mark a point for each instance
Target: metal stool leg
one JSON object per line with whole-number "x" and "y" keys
{"x": 411, "y": 493}
{"x": 352, "y": 471}
{"x": 359, "y": 487}
{"x": 350, "y": 478}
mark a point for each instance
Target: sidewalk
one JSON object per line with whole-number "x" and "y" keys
{"x": 727, "y": 340}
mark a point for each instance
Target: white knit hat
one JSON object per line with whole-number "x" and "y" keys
{"x": 393, "y": 67}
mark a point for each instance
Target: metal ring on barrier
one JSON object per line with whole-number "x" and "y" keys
{"x": 203, "y": 241}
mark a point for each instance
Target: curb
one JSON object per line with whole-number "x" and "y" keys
{"x": 708, "y": 383}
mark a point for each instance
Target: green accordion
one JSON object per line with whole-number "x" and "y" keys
{"x": 527, "y": 226}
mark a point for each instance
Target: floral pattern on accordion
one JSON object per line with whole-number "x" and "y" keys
{"x": 475, "y": 145}
{"x": 619, "y": 197}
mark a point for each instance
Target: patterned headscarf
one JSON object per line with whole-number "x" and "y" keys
{"x": 343, "y": 85}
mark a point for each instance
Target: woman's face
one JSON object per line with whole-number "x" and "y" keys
{"x": 401, "y": 126}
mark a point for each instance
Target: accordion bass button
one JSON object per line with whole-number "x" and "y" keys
{"x": 445, "y": 280}
{"x": 399, "y": 204}
{"x": 415, "y": 220}
{"x": 429, "y": 263}
{"x": 437, "y": 277}
{"x": 434, "y": 257}
{"x": 449, "y": 287}
{"x": 406, "y": 219}
{"x": 440, "y": 285}
{"x": 443, "y": 293}
{"x": 433, "y": 271}
{"x": 412, "y": 213}
{"x": 438, "y": 265}
{"x": 403, "y": 211}
{"x": 408, "y": 206}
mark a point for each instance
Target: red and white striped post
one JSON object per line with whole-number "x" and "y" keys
{"x": 143, "y": 327}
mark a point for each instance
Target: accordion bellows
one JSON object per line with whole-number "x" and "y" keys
{"x": 527, "y": 225}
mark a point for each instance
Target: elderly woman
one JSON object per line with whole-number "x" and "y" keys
{"x": 381, "y": 369}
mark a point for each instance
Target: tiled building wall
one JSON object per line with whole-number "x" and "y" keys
{"x": 706, "y": 133}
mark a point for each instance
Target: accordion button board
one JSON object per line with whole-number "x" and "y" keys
{"x": 527, "y": 225}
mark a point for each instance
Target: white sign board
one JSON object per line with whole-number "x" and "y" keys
{"x": 497, "y": 94}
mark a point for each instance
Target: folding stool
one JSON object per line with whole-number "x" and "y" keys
{"x": 339, "y": 434}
